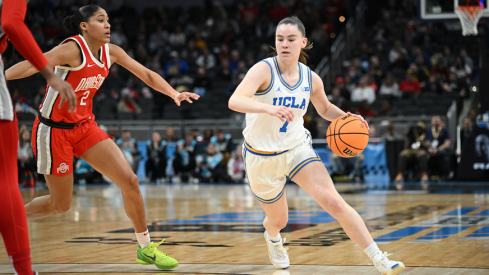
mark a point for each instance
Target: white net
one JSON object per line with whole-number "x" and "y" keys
{"x": 469, "y": 17}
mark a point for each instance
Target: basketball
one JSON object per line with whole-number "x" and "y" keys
{"x": 347, "y": 136}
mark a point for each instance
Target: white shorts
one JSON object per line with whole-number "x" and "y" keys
{"x": 267, "y": 172}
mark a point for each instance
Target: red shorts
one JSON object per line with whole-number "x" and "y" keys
{"x": 54, "y": 147}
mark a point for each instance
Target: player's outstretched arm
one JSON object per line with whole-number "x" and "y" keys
{"x": 152, "y": 79}
{"x": 65, "y": 54}
{"x": 241, "y": 101}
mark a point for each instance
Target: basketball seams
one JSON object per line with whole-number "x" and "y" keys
{"x": 332, "y": 133}
{"x": 339, "y": 134}
{"x": 334, "y": 137}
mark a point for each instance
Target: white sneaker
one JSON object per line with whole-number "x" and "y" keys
{"x": 277, "y": 253}
{"x": 386, "y": 266}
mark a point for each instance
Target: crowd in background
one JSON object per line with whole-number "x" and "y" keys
{"x": 195, "y": 48}
{"x": 200, "y": 48}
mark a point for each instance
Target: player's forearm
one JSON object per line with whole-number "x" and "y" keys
{"x": 157, "y": 82}
{"x": 243, "y": 104}
{"x": 24, "y": 69}
{"x": 332, "y": 113}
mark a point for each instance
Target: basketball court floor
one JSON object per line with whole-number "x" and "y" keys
{"x": 216, "y": 229}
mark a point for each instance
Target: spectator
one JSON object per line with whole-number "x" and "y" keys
{"x": 446, "y": 58}
{"x": 39, "y": 96}
{"x": 248, "y": 12}
{"x": 410, "y": 85}
{"x": 343, "y": 91}
{"x": 234, "y": 60}
{"x": 421, "y": 75}
{"x": 455, "y": 85}
{"x": 191, "y": 52}
{"x": 375, "y": 71}
{"x": 128, "y": 147}
{"x": 391, "y": 134}
{"x": 223, "y": 71}
{"x": 210, "y": 167}
{"x": 390, "y": 87}
{"x": 363, "y": 92}
{"x": 177, "y": 38}
{"x": 156, "y": 163}
{"x": 206, "y": 60}
{"x": 236, "y": 165}
{"x": 127, "y": 104}
{"x": 223, "y": 144}
{"x": 396, "y": 52}
{"x": 184, "y": 163}
{"x": 432, "y": 85}
{"x": 466, "y": 131}
{"x": 117, "y": 36}
{"x": 466, "y": 59}
{"x": 84, "y": 173}
{"x": 176, "y": 66}
{"x": 385, "y": 109}
{"x": 418, "y": 54}
{"x": 201, "y": 83}
{"x": 335, "y": 97}
{"x": 158, "y": 40}
{"x": 277, "y": 11}
{"x": 414, "y": 151}
{"x": 439, "y": 143}
{"x": 25, "y": 158}
{"x": 208, "y": 134}
{"x": 461, "y": 70}
{"x": 114, "y": 83}
{"x": 364, "y": 110}
{"x": 169, "y": 151}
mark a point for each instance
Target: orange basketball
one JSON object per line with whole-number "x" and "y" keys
{"x": 347, "y": 136}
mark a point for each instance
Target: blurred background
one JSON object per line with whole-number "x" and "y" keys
{"x": 403, "y": 65}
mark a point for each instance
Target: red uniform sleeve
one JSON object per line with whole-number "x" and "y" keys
{"x": 13, "y": 15}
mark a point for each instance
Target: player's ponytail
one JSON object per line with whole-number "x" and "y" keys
{"x": 294, "y": 20}
{"x": 72, "y": 22}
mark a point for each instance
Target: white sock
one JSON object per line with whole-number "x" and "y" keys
{"x": 143, "y": 238}
{"x": 372, "y": 250}
{"x": 275, "y": 239}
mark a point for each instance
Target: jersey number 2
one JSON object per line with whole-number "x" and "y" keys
{"x": 85, "y": 96}
{"x": 284, "y": 127}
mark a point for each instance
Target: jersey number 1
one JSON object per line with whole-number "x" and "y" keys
{"x": 284, "y": 127}
{"x": 85, "y": 96}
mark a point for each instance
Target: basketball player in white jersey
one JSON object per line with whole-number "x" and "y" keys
{"x": 274, "y": 95}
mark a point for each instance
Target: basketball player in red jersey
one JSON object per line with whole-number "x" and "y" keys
{"x": 84, "y": 61}
{"x": 13, "y": 223}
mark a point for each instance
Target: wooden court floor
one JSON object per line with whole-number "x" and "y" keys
{"x": 216, "y": 229}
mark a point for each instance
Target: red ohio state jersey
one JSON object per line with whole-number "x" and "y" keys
{"x": 85, "y": 79}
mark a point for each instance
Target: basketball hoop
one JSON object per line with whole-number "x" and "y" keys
{"x": 469, "y": 17}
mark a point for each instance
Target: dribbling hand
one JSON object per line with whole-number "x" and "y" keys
{"x": 65, "y": 91}
{"x": 359, "y": 117}
{"x": 282, "y": 112}
{"x": 185, "y": 96}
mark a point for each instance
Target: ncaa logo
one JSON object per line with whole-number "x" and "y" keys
{"x": 63, "y": 168}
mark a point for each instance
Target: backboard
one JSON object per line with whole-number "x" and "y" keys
{"x": 445, "y": 9}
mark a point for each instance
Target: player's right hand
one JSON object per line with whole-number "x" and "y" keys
{"x": 282, "y": 112}
{"x": 65, "y": 91}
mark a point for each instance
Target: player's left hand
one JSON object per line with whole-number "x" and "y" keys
{"x": 359, "y": 117}
{"x": 185, "y": 96}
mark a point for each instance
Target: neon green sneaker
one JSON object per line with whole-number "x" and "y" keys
{"x": 151, "y": 255}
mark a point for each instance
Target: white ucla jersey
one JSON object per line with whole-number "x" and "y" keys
{"x": 267, "y": 133}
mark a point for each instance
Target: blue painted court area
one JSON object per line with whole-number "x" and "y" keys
{"x": 256, "y": 217}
